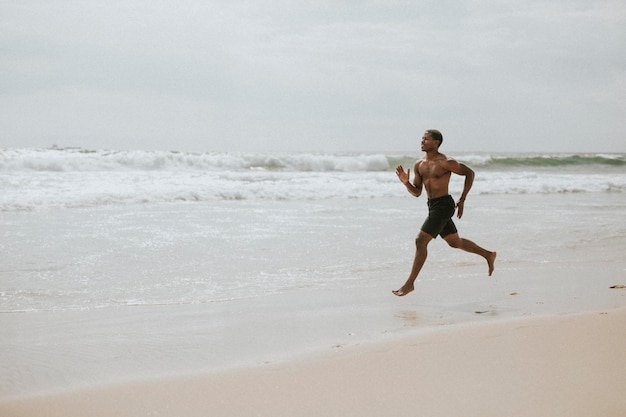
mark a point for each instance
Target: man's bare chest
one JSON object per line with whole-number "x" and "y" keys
{"x": 432, "y": 170}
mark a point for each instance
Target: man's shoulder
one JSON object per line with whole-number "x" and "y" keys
{"x": 448, "y": 159}
{"x": 448, "y": 163}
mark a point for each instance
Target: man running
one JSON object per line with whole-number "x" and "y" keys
{"x": 433, "y": 172}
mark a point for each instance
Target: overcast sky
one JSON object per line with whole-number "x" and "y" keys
{"x": 278, "y": 75}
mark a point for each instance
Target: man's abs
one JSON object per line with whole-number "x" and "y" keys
{"x": 437, "y": 188}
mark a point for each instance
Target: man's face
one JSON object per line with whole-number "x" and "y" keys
{"x": 428, "y": 143}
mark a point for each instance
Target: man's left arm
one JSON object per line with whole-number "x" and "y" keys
{"x": 463, "y": 170}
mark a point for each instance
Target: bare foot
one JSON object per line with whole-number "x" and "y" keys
{"x": 404, "y": 290}
{"x": 491, "y": 261}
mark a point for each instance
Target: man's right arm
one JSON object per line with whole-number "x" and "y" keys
{"x": 414, "y": 188}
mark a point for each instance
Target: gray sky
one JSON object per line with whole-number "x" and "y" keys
{"x": 278, "y": 75}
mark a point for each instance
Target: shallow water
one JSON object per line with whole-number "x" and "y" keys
{"x": 128, "y": 265}
{"x": 95, "y": 295}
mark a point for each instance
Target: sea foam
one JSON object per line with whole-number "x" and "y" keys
{"x": 69, "y": 178}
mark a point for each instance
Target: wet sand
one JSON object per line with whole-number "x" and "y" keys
{"x": 565, "y": 365}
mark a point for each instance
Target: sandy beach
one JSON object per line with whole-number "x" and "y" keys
{"x": 567, "y": 366}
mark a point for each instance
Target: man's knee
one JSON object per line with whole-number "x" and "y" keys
{"x": 422, "y": 239}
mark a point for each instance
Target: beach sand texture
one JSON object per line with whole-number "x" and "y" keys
{"x": 563, "y": 366}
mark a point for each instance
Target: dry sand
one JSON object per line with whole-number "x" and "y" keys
{"x": 569, "y": 365}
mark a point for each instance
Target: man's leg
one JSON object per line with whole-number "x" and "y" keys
{"x": 467, "y": 245}
{"x": 421, "y": 252}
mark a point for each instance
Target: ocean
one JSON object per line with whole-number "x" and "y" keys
{"x": 35, "y": 179}
{"x": 220, "y": 223}
{"x": 136, "y": 263}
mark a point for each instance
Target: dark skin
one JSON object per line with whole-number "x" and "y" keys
{"x": 433, "y": 173}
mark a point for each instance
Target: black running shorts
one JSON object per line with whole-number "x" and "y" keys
{"x": 439, "y": 221}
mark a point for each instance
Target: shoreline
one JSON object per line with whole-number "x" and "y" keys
{"x": 555, "y": 365}
{"x": 136, "y": 314}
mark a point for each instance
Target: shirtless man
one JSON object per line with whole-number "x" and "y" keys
{"x": 433, "y": 172}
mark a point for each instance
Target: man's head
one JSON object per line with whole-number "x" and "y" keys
{"x": 436, "y": 135}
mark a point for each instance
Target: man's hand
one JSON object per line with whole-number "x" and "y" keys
{"x": 459, "y": 209}
{"x": 403, "y": 176}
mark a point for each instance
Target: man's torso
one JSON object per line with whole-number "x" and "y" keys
{"x": 435, "y": 177}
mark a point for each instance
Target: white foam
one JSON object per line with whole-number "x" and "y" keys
{"x": 39, "y": 179}
{"x": 78, "y": 160}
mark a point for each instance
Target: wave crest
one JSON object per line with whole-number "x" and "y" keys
{"x": 543, "y": 161}
{"x": 77, "y": 160}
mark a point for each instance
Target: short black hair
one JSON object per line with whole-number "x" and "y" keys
{"x": 436, "y": 135}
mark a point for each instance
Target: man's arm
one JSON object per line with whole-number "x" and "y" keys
{"x": 463, "y": 170}
{"x": 415, "y": 188}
